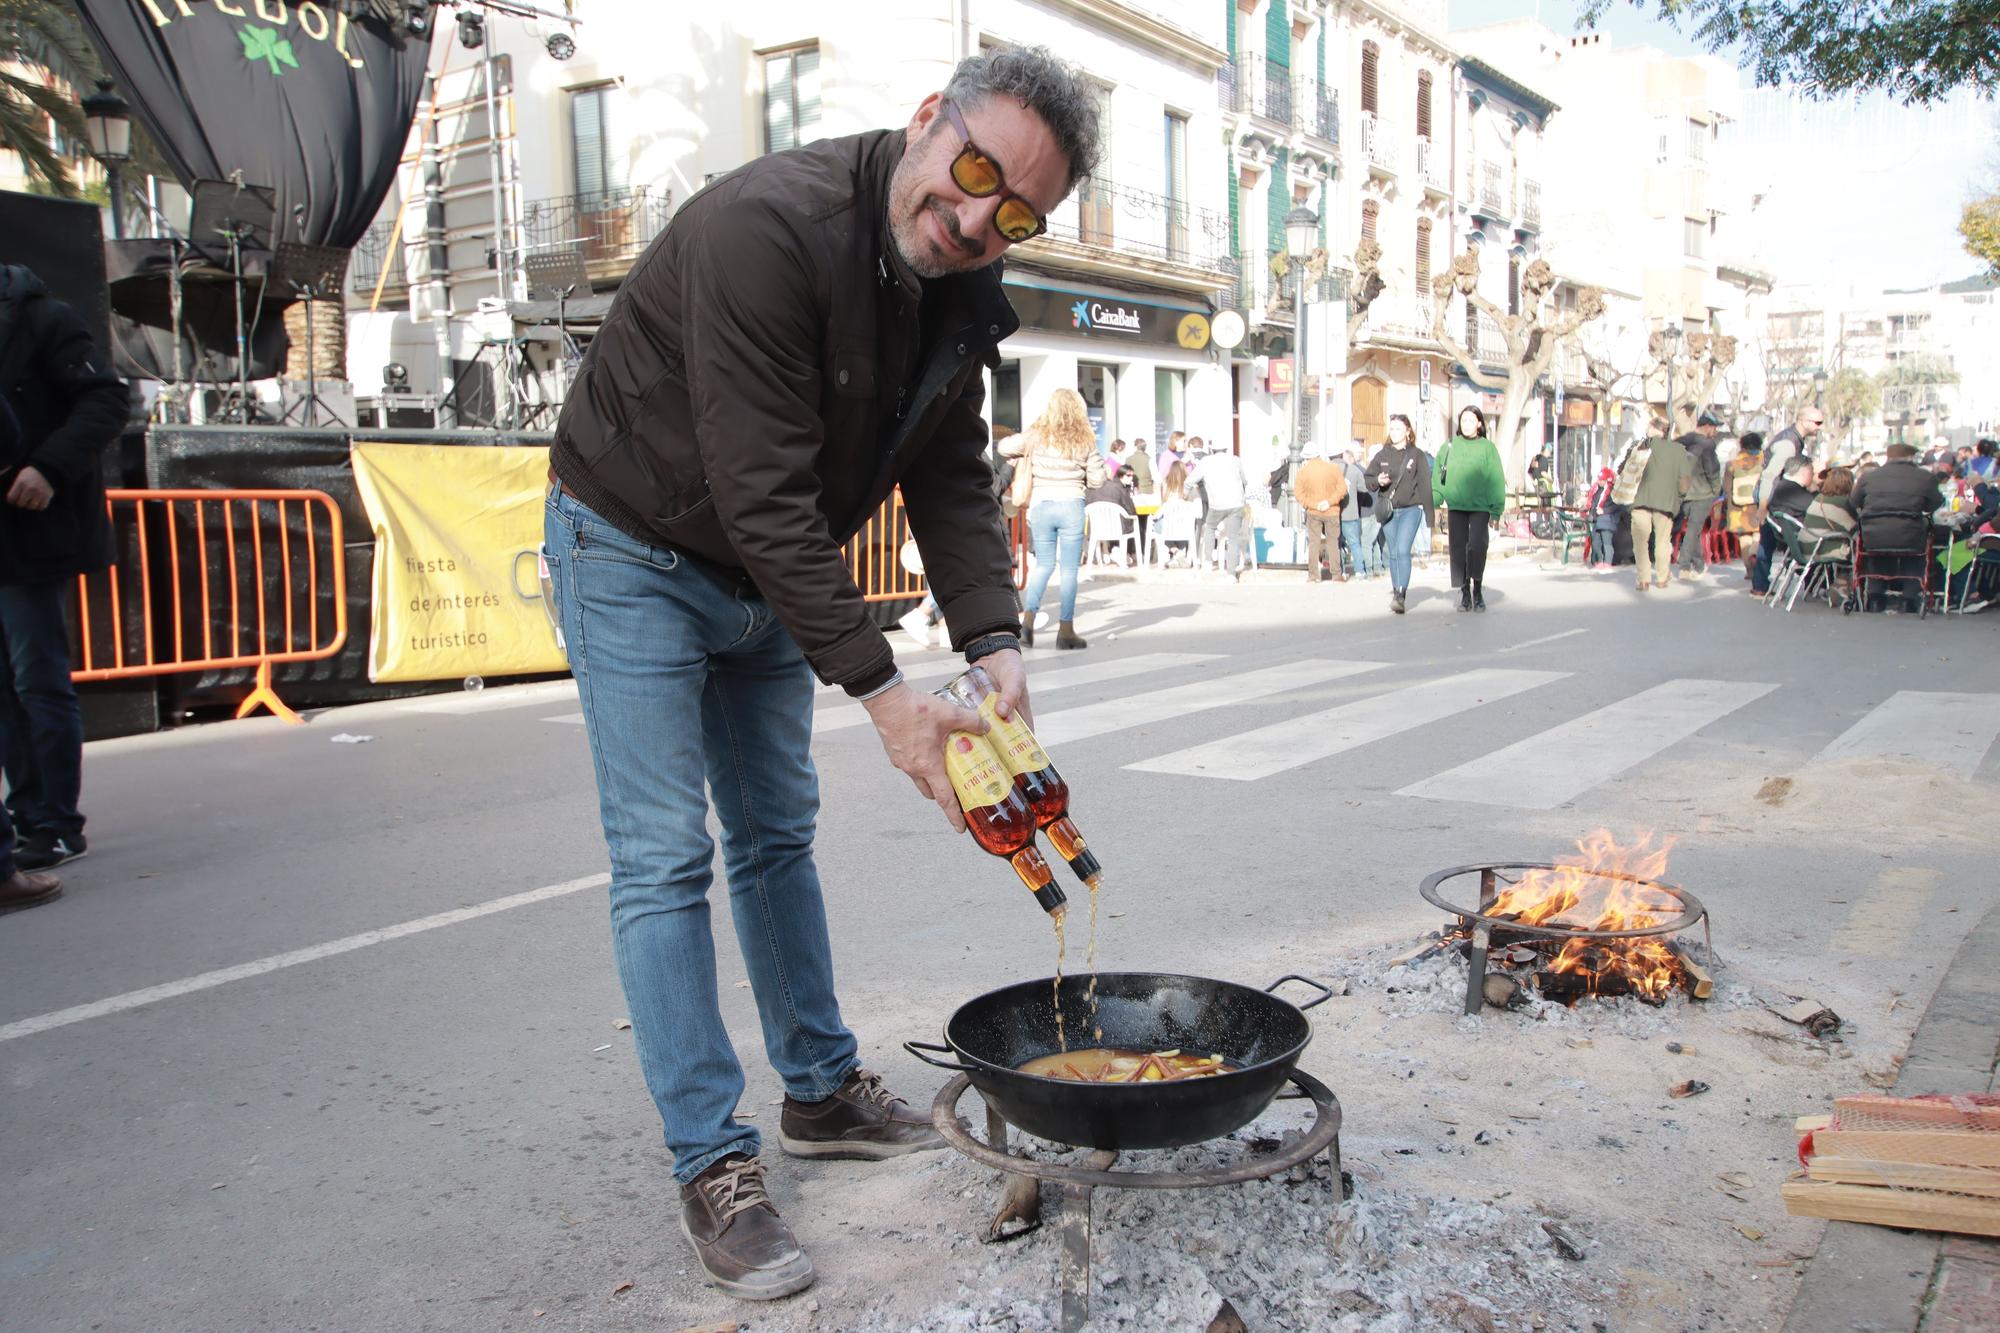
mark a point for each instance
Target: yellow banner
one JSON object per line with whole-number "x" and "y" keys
{"x": 457, "y": 589}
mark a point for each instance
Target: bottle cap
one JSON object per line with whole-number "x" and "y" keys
{"x": 1050, "y": 897}
{"x": 1086, "y": 865}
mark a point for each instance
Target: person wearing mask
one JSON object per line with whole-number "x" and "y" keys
{"x": 1363, "y": 555}
{"x": 60, "y": 405}
{"x": 1894, "y": 504}
{"x": 1604, "y": 514}
{"x": 1662, "y": 487}
{"x": 1400, "y": 473}
{"x": 1321, "y": 490}
{"x": 1789, "y": 499}
{"x": 1060, "y": 453}
{"x": 1704, "y": 492}
{"x": 1471, "y": 487}
{"x": 1219, "y": 477}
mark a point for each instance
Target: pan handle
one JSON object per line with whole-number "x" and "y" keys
{"x": 1325, "y": 991}
{"x": 917, "y": 1048}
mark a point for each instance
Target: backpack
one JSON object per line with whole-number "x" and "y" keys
{"x": 1631, "y": 472}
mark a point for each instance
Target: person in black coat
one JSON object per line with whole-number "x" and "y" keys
{"x": 60, "y": 405}
{"x": 1894, "y": 503}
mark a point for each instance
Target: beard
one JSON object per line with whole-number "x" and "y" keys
{"x": 926, "y": 258}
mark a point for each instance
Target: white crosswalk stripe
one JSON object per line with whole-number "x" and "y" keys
{"x": 1295, "y": 742}
{"x": 1560, "y": 764}
{"x": 1952, "y": 731}
{"x": 1040, "y": 683}
{"x": 1176, "y": 701}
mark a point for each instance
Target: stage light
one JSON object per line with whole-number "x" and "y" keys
{"x": 396, "y": 376}
{"x": 417, "y": 18}
{"x": 561, "y": 45}
{"x": 471, "y": 31}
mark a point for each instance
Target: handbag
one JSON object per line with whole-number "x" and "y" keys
{"x": 1443, "y": 454}
{"x": 1023, "y": 488}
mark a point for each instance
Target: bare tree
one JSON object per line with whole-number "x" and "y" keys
{"x": 1695, "y": 373}
{"x": 1531, "y": 339}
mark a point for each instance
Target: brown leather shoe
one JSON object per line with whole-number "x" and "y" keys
{"x": 28, "y": 889}
{"x": 862, "y": 1121}
{"x": 744, "y": 1246}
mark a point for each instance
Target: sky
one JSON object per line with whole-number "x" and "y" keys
{"x": 1866, "y": 194}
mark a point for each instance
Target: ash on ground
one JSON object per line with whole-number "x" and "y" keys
{"x": 1279, "y": 1251}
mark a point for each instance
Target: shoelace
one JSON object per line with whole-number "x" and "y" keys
{"x": 869, "y": 1088}
{"x": 737, "y": 1189}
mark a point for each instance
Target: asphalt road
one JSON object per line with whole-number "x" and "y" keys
{"x": 317, "y": 1119}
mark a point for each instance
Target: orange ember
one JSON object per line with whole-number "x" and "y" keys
{"x": 1577, "y": 895}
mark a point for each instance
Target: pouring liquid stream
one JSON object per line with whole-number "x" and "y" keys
{"x": 1062, "y": 1037}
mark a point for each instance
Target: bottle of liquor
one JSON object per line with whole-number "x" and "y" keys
{"x": 1034, "y": 776}
{"x": 997, "y": 815}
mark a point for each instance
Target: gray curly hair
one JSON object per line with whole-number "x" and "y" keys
{"x": 1047, "y": 86}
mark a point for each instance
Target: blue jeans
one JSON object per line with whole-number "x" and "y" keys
{"x": 1603, "y": 540}
{"x": 41, "y": 722}
{"x": 1769, "y": 539}
{"x": 1350, "y": 537}
{"x": 1057, "y": 526}
{"x": 1371, "y": 545}
{"x": 686, "y": 677}
{"x": 1401, "y": 536}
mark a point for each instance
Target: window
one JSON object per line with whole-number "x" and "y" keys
{"x": 1697, "y": 141}
{"x": 1371, "y": 61}
{"x": 600, "y": 169}
{"x": 1423, "y": 269}
{"x": 1424, "y": 104}
{"x": 1513, "y": 284}
{"x": 791, "y": 98}
{"x": 1697, "y": 234}
{"x": 1175, "y": 128}
{"x": 1662, "y": 144}
{"x": 1369, "y": 212}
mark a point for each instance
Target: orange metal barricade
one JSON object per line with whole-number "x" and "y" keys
{"x": 213, "y": 604}
{"x": 874, "y": 556}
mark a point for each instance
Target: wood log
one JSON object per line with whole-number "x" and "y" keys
{"x": 1699, "y": 983}
{"x": 1935, "y": 1147}
{"x": 1892, "y": 1208}
{"x": 1421, "y": 951}
{"x": 1980, "y": 1180}
{"x": 1916, "y": 1112}
{"x": 1806, "y": 1124}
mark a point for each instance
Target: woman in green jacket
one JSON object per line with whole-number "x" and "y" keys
{"x": 1471, "y": 485}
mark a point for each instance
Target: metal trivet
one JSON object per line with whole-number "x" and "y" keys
{"x": 1483, "y": 926}
{"x": 1080, "y": 1183}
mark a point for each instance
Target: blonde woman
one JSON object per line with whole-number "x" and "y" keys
{"x": 1060, "y": 453}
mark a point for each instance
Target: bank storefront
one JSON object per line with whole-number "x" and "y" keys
{"x": 1142, "y": 361}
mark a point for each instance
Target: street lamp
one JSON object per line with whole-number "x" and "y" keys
{"x": 1670, "y": 343}
{"x": 1819, "y": 390}
{"x": 1301, "y": 236}
{"x": 108, "y": 121}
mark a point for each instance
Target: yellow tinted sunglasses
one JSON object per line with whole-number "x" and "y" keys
{"x": 979, "y": 176}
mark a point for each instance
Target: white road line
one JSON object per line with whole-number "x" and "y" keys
{"x": 1177, "y": 701}
{"x": 28, "y": 1027}
{"x": 1298, "y": 741}
{"x": 1883, "y": 922}
{"x": 1040, "y": 683}
{"x": 573, "y": 719}
{"x": 490, "y": 700}
{"x": 1952, "y": 731}
{"x": 1560, "y": 764}
{"x": 1546, "y": 638}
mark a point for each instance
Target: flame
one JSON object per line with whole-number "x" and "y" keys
{"x": 1576, "y": 894}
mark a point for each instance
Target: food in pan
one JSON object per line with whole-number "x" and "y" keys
{"x": 1107, "y": 1065}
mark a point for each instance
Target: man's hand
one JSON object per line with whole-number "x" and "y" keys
{"x": 31, "y": 490}
{"x": 1010, "y": 677}
{"x": 914, "y": 727}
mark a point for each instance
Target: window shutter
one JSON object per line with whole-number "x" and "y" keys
{"x": 1424, "y": 105}
{"x": 586, "y": 131}
{"x": 805, "y": 94}
{"x": 780, "y": 129}
{"x": 1371, "y": 59}
{"x": 1514, "y": 285}
{"x": 1278, "y": 202}
{"x": 1229, "y": 26}
{"x": 1278, "y": 35}
{"x": 1369, "y": 212}
{"x": 1423, "y": 257}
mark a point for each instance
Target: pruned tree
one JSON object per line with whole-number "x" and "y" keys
{"x": 1700, "y": 365}
{"x": 1531, "y": 339}
{"x": 1367, "y": 285}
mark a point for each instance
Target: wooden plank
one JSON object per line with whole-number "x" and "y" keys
{"x": 1892, "y": 1208}
{"x": 1700, "y": 983}
{"x": 1806, "y": 1124}
{"x": 1983, "y": 1181}
{"x": 1937, "y": 1147}
{"x": 1916, "y": 1113}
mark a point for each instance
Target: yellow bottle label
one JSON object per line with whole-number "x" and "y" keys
{"x": 1019, "y": 750}
{"x": 976, "y": 772}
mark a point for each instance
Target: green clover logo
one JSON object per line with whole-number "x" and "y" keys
{"x": 265, "y": 44}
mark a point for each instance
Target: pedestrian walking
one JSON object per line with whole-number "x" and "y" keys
{"x": 60, "y": 405}
{"x": 1360, "y": 551}
{"x": 1060, "y": 454}
{"x": 1704, "y": 493}
{"x": 806, "y": 334}
{"x": 1400, "y": 479}
{"x": 1219, "y": 476}
{"x": 1605, "y": 514}
{"x": 1321, "y": 491}
{"x": 1662, "y": 488}
{"x": 1745, "y": 475}
{"x": 1471, "y": 487}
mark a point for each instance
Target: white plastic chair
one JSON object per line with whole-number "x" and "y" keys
{"x": 1107, "y": 524}
{"x": 1175, "y": 522}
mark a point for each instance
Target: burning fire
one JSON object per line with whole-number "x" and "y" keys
{"x": 1578, "y": 896}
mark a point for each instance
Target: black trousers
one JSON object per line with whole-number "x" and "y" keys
{"x": 1467, "y": 530}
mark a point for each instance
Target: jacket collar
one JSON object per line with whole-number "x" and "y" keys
{"x": 985, "y": 303}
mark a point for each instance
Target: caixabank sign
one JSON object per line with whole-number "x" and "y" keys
{"x": 1108, "y": 318}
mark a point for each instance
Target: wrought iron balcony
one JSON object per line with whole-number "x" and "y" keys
{"x": 609, "y": 229}
{"x": 1431, "y": 165}
{"x": 380, "y": 248}
{"x": 1378, "y": 143}
{"x": 1105, "y": 215}
{"x": 1531, "y": 204}
{"x": 1319, "y": 109}
{"x": 1253, "y": 86}
{"x": 1488, "y": 188}
{"x": 1265, "y": 297}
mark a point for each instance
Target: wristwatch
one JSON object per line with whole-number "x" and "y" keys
{"x": 987, "y": 644}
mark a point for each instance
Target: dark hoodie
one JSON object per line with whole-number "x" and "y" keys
{"x": 62, "y": 406}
